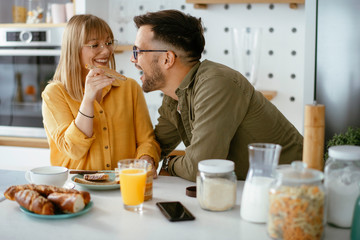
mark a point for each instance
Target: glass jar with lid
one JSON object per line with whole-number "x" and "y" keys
{"x": 342, "y": 177}
{"x": 216, "y": 184}
{"x": 296, "y": 203}
{"x": 35, "y": 10}
{"x": 19, "y": 11}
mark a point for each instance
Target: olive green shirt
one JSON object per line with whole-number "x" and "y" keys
{"x": 217, "y": 115}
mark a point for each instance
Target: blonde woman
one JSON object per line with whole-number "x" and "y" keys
{"x": 91, "y": 120}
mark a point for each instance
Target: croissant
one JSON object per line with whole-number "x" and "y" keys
{"x": 108, "y": 72}
{"x": 34, "y": 202}
{"x": 11, "y": 191}
{"x": 44, "y": 190}
{"x": 86, "y": 196}
{"x": 67, "y": 202}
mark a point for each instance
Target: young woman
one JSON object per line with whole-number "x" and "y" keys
{"x": 92, "y": 121}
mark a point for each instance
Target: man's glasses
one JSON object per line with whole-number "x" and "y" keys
{"x": 97, "y": 47}
{"x": 136, "y": 51}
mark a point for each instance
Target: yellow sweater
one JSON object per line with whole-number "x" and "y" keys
{"x": 122, "y": 128}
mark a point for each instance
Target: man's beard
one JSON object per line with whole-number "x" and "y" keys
{"x": 154, "y": 82}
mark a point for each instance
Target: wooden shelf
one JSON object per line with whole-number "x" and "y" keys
{"x": 269, "y": 94}
{"x": 244, "y": 1}
{"x": 203, "y": 3}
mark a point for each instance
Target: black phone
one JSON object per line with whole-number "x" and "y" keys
{"x": 175, "y": 211}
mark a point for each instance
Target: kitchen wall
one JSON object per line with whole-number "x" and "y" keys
{"x": 281, "y": 66}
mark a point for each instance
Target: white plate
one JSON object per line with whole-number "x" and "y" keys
{"x": 97, "y": 187}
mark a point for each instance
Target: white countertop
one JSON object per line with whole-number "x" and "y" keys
{"x": 109, "y": 220}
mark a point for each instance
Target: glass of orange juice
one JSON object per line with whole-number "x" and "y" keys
{"x": 132, "y": 174}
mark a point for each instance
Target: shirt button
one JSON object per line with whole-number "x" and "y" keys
{"x": 101, "y": 111}
{"x": 106, "y": 147}
{"x": 107, "y": 165}
{"x": 104, "y": 128}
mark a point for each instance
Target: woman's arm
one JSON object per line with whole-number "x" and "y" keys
{"x": 94, "y": 83}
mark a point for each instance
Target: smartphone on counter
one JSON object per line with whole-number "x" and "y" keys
{"x": 175, "y": 211}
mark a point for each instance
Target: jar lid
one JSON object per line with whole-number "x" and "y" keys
{"x": 345, "y": 152}
{"x": 216, "y": 166}
{"x": 298, "y": 173}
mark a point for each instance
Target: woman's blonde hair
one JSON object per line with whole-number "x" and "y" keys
{"x": 79, "y": 30}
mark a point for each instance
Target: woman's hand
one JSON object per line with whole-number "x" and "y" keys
{"x": 150, "y": 160}
{"x": 95, "y": 82}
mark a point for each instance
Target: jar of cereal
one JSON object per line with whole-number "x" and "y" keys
{"x": 296, "y": 203}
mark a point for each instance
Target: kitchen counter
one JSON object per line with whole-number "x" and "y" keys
{"x": 109, "y": 220}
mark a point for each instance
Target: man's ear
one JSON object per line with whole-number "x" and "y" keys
{"x": 169, "y": 60}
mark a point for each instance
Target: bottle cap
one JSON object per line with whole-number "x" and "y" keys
{"x": 298, "y": 173}
{"x": 216, "y": 166}
{"x": 345, "y": 152}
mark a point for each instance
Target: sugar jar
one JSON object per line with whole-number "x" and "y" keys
{"x": 216, "y": 184}
{"x": 296, "y": 203}
{"x": 342, "y": 175}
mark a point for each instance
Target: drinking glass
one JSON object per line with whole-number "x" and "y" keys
{"x": 149, "y": 183}
{"x": 132, "y": 173}
{"x": 246, "y": 44}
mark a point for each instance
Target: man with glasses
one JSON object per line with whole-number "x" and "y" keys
{"x": 213, "y": 109}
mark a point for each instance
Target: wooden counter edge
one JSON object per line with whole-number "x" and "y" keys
{"x": 43, "y": 143}
{"x": 24, "y": 142}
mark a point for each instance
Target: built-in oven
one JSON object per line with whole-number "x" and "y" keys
{"x": 28, "y": 59}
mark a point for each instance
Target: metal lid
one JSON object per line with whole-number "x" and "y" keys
{"x": 216, "y": 166}
{"x": 298, "y": 173}
{"x": 345, "y": 152}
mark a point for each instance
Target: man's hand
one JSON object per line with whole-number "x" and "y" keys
{"x": 151, "y": 161}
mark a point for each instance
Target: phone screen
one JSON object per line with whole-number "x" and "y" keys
{"x": 175, "y": 211}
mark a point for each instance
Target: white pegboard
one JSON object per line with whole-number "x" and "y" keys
{"x": 282, "y": 57}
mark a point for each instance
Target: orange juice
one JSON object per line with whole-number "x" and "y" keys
{"x": 132, "y": 182}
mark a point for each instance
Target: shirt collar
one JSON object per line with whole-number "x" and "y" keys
{"x": 116, "y": 83}
{"x": 189, "y": 78}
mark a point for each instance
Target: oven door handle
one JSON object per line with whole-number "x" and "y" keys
{"x": 30, "y": 52}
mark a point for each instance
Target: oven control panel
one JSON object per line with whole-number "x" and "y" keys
{"x": 27, "y": 37}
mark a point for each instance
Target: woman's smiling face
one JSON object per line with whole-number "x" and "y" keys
{"x": 96, "y": 52}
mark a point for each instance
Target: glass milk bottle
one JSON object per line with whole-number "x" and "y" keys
{"x": 342, "y": 175}
{"x": 263, "y": 159}
{"x": 296, "y": 203}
